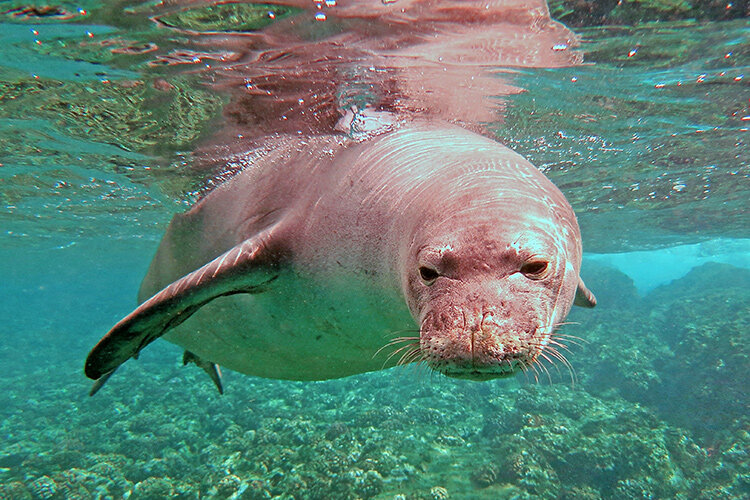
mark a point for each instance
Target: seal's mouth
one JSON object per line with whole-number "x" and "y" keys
{"x": 504, "y": 369}
{"x": 483, "y": 344}
{"x": 478, "y": 376}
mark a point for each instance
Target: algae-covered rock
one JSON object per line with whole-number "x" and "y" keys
{"x": 624, "y": 353}
{"x": 43, "y": 488}
{"x": 613, "y": 288}
{"x": 616, "y": 348}
{"x": 704, "y": 318}
{"x": 132, "y": 115}
{"x": 14, "y": 490}
{"x": 228, "y": 17}
{"x": 158, "y": 488}
{"x": 572, "y": 440}
{"x": 368, "y": 484}
{"x": 681, "y": 349}
{"x": 485, "y": 475}
{"x": 600, "y": 12}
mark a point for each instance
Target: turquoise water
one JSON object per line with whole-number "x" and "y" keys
{"x": 651, "y": 150}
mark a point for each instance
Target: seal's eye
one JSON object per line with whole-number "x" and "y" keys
{"x": 428, "y": 274}
{"x": 534, "y": 269}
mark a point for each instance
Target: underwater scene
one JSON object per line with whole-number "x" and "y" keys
{"x": 115, "y": 115}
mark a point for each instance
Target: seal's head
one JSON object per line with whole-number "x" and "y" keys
{"x": 488, "y": 291}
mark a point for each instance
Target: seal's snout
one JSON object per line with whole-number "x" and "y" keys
{"x": 477, "y": 345}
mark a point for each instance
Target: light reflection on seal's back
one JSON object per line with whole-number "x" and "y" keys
{"x": 368, "y": 221}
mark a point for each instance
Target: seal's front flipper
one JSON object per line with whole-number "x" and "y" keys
{"x": 584, "y": 297}
{"x": 247, "y": 268}
{"x": 212, "y": 369}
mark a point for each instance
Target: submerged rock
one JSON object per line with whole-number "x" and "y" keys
{"x": 681, "y": 349}
{"x": 704, "y": 318}
{"x": 602, "y": 12}
{"x": 614, "y": 289}
{"x": 43, "y": 488}
{"x": 572, "y": 440}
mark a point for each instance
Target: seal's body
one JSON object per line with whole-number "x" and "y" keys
{"x": 309, "y": 263}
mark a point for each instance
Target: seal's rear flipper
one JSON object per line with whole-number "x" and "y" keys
{"x": 246, "y": 268}
{"x": 212, "y": 369}
{"x": 584, "y": 297}
{"x": 99, "y": 383}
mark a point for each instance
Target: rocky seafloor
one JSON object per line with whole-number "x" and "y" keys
{"x": 658, "y": 410}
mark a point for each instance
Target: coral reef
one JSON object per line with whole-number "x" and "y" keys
{"x": 160, "y": 431}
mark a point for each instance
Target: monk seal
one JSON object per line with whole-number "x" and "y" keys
{"x": 318, "y": 261}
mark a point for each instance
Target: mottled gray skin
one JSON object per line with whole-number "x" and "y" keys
{"x": 307, "y": 263}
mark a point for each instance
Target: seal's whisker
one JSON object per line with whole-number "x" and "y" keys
{"x": 544, "y": 368}
{"x": 533, "y": 368}
{"x": 412, "y": 352}
{"x": 402, "y": 360}
{"x": 405, "y": 330}
{"x": 422, "y": 367}
{"x": 562, "y": 346}
{"x": 568, "y": 337}
{"x": 564, "y": 341}
{"x": 525, "y": 370}
{"x": 408, "y": 346}
{"x": 400, "y": 339}
{"x": 409, "y": 355}
{"x": 414, "y": 355}
{"x": 542, "y": 346}
{"x": 397, "y": 351}
{"x": 534, "y": 371}
{"x": 418, "y": 368}
{"x": 394, "y": 342}
{"x": 391, "y": 355}
{"x": 563, "y": 323}
{"x": 415, "y": 368}
{"x": 557, "y": 354}
{"x": 552, "y": 363}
